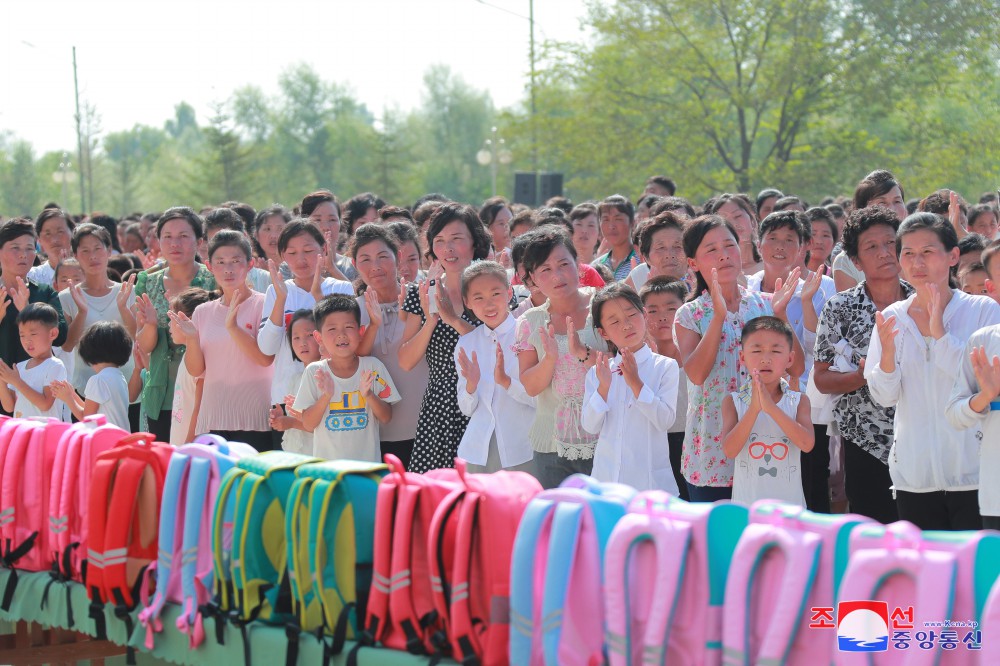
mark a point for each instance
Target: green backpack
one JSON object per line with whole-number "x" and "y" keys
{"x": 330, "y": 536}
{"x": 248, "y": 542}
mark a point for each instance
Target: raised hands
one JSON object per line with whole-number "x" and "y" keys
{"x": 79, "y": 299}
{"x": 500, "y": 375}
{"x": 280, "y": 288}
{"x": 715, "y": 291}
{"x": 783, "y": 292}
{"x": 469, "y": 369}
{"x": 145, "y": 312}
{"x": 124, "y": 294}
{"x": 630, "y": 371}
{"x": 9, "y": 374}
{"x": 547, "y": 335}
{"x": 19, "y": 294}
{"x": 373, "y": 307}
{"x": 368, "y": 384}
{"x": 579, "y": 350}
{"x": 324, "y": 381}
{"x": 812, "y": 283}
{"x": 987, "y": 373}
{"x": 185, "y": 326}
{"x": 887, "y": 332}
{"x": 240, "y": 295}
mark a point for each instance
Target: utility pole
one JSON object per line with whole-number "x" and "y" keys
{"x": 534, "y": 123}
{"x": 79, "y": 139}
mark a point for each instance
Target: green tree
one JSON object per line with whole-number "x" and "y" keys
{"x": 130, "y": 154}
{"x": 223, "y": 170}
{"x": 725, "y": 93}
{"x": 21, "y": 184}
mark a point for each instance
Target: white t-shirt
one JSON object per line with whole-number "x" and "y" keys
{"x": 183, "y": 409}
{"x": 99, "y": 308}
{"x": 43, "y": 273}
{"x": 294, "y": 439}
{"x": 349, "y": 430}
{"x": 110, "y": 391}
{"x": 38, "y": 378}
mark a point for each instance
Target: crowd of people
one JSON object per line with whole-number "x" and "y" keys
{"x": 842, "y": 356}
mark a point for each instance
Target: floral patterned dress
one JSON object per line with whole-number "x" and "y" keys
{"x": 703, "y": 462}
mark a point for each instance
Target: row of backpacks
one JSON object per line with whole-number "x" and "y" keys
{"x": 482, "y": 568}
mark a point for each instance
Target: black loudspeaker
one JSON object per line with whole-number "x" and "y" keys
{"x": 551, "y": 185}
{"x": 526, "y": 188}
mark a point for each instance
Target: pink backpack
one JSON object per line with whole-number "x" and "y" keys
{"x": 939, "y": 575}
{"x": 26, "y": 459}
{"x": 401, "y": 613}
{"x": 184, "y": 568}
{"x": 469, "y": 549}
{"x": 788, "y": 561}
{"x": 69, "y": 492}
{"x": 643, "y": 576}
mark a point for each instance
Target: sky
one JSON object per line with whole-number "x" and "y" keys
{"x": 137, "y": 59}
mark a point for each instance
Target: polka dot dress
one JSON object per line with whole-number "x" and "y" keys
{"x": 441, "y": 425}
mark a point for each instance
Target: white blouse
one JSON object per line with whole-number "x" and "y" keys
{"x": 928, "y": 454}
{"x": 632, "y": 447}
{"x": 492, "y": 410}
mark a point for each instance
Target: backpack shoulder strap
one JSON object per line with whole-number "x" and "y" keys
{"x": 800, "y": 556}
{"x": 632, "y": 579}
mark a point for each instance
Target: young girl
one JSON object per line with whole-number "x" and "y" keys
{"x": 301, "y": 248}
{"x": 557, "y": 344}
{"x": 221, "y": 339}
{"x": 913, "y": 362}
{"x": 305, "y": 350}
{"x": 707, "y": 330}
{"x": 662, "y": 298}
{"x": 630, "y": 401}
{"x": 105, "y": 347}
{"x": 431, "y": 329}
{"x": 187, "y": 389}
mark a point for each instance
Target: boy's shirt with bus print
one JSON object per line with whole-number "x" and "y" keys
{"x": 348, "y": 429}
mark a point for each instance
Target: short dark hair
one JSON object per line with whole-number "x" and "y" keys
{"x": 874, "y": 185}
{"x": 662, "y": 221}
{"x": 666, "y": 183}
{"x": 429, "y": 197}
{"x": 786, "y": 219}
{"x": 370, "y": 233}
{"x": 403, "y": 232}
{"x": 560, "y": 202}
{"x": 488, "y": 211}
{"x": 580, "y": 211}
{"x": 111, "y": 225}
{"x": 991, "y": 251}
{"x": 464, "y": 213}
{"x": 673, "y": 204}
{"x": 299, "y": 227}
{"x": 106, "y": 342}
{"x": 245, "y": 211}
{"x": 389, "y": 212}
{"x": 186, "y": 301}
{"x": 356, "y": 207}
{"x": 979, "y": 210}
{"x": 298, "y": 315}
{"x": 861, "y": 220}
{"x": 787, "y": 202}
{"x": 664, "y": 284}
{"x": 314, "y": 199}
{"x": 179, "y": 213}
{"x": 937, "y": 224}
{"x": 820, "y": 214}
{"x": 14, "y": 228}
{"x": 43, "y": 313}
{"x": 121, "y": 263}
{"x": 764, "y": 195}
{"x": 230, "y": 238}
{"x": 619, "y": 203}
{"x": 524, "y": 217}
{"x": 974, "y": 266}
{"x": 972, "y": 243}
{"x": 274, "y": 210}
{"x": 539, "y": 243}
{"x": 939, "y": 202}
{"x": 50, "y": 213}
{"x": 336, "y": 303}
{"x": 767, "y": 323}
{"x": 224, "y": 218}
{"x": 478, "y": 269}
{"x": 68, "y": 262}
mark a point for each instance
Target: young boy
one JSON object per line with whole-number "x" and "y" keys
{"x": 972, "y": 405}
{"x": 489, "y": 390}
{"x": 766, "y": 424}
{"x": 663, "y": 296}
{"x": 24, "y": 388}
{"x": 338, "y": 397}
{"x": 973, "y": 280}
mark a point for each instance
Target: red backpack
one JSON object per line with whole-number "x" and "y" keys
{"x": 401, "y": 613}
{"x": 124, "y": 512}
{"x": 469, "y": 548}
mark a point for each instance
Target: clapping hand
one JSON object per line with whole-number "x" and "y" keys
{"x": 469, "y": 369}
